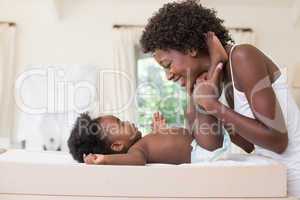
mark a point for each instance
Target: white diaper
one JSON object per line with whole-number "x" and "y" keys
{"x": 199, "y": 154}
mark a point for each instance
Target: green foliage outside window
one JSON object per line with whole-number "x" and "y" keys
{"x": 156, "y": 93}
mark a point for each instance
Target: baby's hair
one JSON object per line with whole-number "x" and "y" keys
{"x": 86, "y": 137}
{"x": 181, "y": 26}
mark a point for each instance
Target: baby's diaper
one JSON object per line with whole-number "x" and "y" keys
{"x": 199, "y": 154}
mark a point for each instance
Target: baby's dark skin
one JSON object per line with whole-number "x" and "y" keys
{"x": 162, "y": 145}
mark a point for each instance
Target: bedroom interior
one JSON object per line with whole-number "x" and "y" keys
{"x": 59, "y": 58}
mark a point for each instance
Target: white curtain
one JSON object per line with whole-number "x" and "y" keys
{"x": 125, "y": 54}
{"x": 7, "y": 76}
{"x": 242, "y": 36}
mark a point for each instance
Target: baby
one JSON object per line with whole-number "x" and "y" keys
{"x": 109, "y": 141}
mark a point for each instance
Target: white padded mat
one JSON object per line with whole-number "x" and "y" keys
{"x": 56, "y": 173}
{"x": 41, "y": 157}
{"x": 57, "y": 158}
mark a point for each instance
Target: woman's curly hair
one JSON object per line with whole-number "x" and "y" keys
{"x": 87, "y": 137}
{"x": 181, "y": 26}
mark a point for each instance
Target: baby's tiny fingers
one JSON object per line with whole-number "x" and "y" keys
{"x": 87, "y": 160}
{"x": 155, "y": 116}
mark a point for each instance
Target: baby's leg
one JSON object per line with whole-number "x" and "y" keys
{"x": 216, "y": 50}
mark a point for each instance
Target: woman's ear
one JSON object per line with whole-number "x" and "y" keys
{"x": 193, "y": 52}
{"x": 117, "y": 146}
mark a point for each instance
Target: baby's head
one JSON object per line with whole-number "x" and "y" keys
{"x": 102, "y": 135}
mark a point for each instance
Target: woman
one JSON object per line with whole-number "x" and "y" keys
{"x": 261, "y": 115}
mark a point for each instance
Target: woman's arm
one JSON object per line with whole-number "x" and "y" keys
{"x": 133, "y": 157}
{"x": 239, "y": 140}
{"x": 268, "y": 129}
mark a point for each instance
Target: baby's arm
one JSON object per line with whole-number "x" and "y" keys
{"x": 158, "y": 122}
{"x": 134, "y": 156}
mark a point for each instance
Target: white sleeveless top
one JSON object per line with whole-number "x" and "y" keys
{"x": 291, "y": 157}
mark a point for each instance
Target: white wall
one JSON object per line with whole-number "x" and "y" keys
{"x": 80, "y": 31}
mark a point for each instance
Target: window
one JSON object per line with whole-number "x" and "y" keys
{"x": 156, "y": 93}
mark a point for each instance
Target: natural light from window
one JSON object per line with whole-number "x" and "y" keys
{"x": 156, "y": 93}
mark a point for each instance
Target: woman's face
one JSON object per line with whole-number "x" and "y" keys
{"x": 183, "y": 68}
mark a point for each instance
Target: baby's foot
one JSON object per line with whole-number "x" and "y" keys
{"x": 215, "y": 48}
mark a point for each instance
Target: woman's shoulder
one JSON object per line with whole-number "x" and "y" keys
{"x": 248, "y": 65}
{"x": 244, "y": 51}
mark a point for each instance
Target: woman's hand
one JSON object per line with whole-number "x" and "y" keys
{"x": 94, "y": 159}
{"x": 206, "y": 89}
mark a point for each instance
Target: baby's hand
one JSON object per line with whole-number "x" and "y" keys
{"x": 158, "y": 122}
{"x": 94, "y": 159}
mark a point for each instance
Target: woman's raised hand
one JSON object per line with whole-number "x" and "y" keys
{"x": 206, "y": 89}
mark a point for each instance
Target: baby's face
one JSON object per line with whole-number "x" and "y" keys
{"x": 120, "y": 130}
